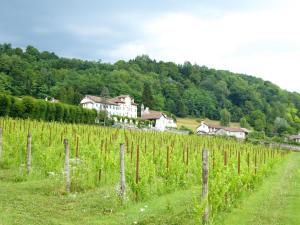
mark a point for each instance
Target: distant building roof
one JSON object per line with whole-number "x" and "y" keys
{"x": 109, "y": 101}
{"x": 230, "y": 129}
{"x": 235, "y": 129}
{"x": 152, "y": 115}
{"x": 294, "y": 137}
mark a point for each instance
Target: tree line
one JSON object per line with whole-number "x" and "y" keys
{"x": 181, "y": 89}
{"x": 30, "y": 108}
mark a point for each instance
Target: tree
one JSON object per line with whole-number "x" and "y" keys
{"x": 257, "y": 119}
{"x": 244, "y": 123}
{"x": 225, "y": 117}
{"x": 5, "y": 104}
{"x": 280, "y": 125}
{"x": 105, "y": 95}
{"x": 147, "y": 97}
{"x": 181, "y": 109}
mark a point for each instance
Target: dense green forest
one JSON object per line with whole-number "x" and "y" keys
{"x": 184, "y": 90}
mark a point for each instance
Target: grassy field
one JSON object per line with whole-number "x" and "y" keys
{"x": 41, "y": 202}
{"x": 193, "y": 123}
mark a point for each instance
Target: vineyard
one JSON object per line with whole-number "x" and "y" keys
{"x": 155, "y": 163}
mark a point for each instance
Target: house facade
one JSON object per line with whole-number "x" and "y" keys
{"x": 205, "y": 128}
{"x": 295, "y": 138}
{"x": 122, "y": 105}
{"x": 160, "y": 120}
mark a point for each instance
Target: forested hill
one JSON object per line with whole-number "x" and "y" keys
{"x": 180, "y": 89}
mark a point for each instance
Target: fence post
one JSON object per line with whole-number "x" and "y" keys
{"x": 137, "y": 164}
{"x": 1, "y": 149}
{"x": 77, "y": 143}
{"x": 67, "y": 166}
{"x": 205, "y": 172}
{"x": 239, "y": 163}
{"x": 28, "y": 158}
{"x": 137, "y": 173}
{"x": 122, "y": 171}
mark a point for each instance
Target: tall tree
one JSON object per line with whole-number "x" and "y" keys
{"x": 225, "y": 117}
{"x": 147, "y": 96}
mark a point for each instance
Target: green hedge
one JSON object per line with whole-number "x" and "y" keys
{"x": 28, "y": 107}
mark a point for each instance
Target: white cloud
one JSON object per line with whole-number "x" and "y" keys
{"x": 263, "y": 42}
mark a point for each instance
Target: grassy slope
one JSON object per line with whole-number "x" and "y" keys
{"x": 277, "y": 202}
{"x": 193, "y": 124}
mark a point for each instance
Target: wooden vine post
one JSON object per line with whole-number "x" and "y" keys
{"x": 67, "y": 166}
{"x": 77, "y": 143}
{"x": 1, "y": 148}
{"x": 28, "y": 155}
{"x": 168, "y": 158}
{"x": 137, "y": 170}
{"x": 239, "y": 163}
{"x": 122, "y": 172}
{"x": 205, "y": 172}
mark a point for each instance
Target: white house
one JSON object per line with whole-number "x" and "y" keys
{"x": 295, "y": 138}
{"x": 122, "y": 105}
{"x": 161, "y": 121}
{"x": 238, "y": 133}
{"x": 205, "y": 128}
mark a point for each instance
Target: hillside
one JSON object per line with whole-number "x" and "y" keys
{"x": 183, "y": 90}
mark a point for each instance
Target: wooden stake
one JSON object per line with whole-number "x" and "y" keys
{"x": 205, "y": 172}
{"x": 28, "y": 158}
{"x": 137, "y": 164}
{"x": 248, "y": 161}
{"x": 122, "y": 171}
{"x": 77, "y": 142}
{"x": 67, "y": 166}
{"x": 168, "y": 157}
{"x": 239, "y": 163}
{"x": 225, "y": 158}
{"x": 1, "y": 148}
{"x": 255, "y": 163}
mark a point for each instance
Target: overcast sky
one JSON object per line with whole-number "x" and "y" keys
{"x": 256, "y": 37}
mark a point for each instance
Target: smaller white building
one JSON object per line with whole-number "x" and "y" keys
{"x": 159, "y": 119}
{"x": 204, "y": 128}
{"x": 238, "y": 133}
{"x": 295, "y": 138}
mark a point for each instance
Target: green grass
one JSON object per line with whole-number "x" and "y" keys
{"x": 44, "y": 202}
{"x": 276, "y": 202}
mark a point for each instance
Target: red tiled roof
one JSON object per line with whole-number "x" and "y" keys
{"x": 152, "y": 115}
{"x": 230, "y": 129}
{"x": 101, "y": 100}
{"x": 111, "y": 101}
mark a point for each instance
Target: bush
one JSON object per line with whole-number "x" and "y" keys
{"x": 31, "y": 108}
{"x": 5, "y": 104}
{"x": 17, "y": 108}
